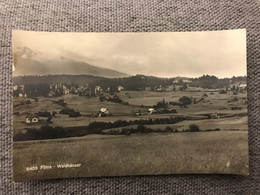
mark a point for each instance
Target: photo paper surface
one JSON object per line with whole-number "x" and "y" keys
{"x": 119, "y": 104}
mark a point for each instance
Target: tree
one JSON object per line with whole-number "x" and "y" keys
{"x": 185, "y": 86}
{"x": 49, "y": 119}
{"x": 184, "y": 100}
{"x": 194, "y": 128}
{"x": 161, "y": 104}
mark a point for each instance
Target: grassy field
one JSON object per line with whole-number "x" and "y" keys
{"x": 89, "y": 107}
{"x": 224, "y": 124}
{"x": 224, "y": 152}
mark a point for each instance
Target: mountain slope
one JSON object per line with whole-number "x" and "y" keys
{"x": 29, "y": 65}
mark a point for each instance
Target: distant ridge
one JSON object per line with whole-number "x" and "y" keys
{"x": 27, "y": 63}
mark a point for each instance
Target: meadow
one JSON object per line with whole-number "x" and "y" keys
{"x": 224, "y": 151}
{"x": 221, "y": 152}
{"x": 139, "y": 101}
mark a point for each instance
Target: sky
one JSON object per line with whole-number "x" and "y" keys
{"x": 162, "y": 54}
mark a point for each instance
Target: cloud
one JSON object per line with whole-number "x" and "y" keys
{"x": 221, "y": 53}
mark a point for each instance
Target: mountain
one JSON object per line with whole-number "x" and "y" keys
{"x": 27, "y": 63}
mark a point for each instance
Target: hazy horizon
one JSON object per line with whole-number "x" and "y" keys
{"x": 130, "y": 76}
{"x": 167, "y": 54}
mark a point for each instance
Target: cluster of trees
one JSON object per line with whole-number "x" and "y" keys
{"x": 141, "y": 129}
{"x": 39, "y": 85}
{"x": 161, "y": 104}
{"x": 36, "y": 89}
{"x": 133, "y": 83}
{"x": 238, "y": 79}
{"x": 60, "y": 102}
{"x": 45, "y": 132}
{"x": 210, "y": 82}
{"x": 70, "y": 112}
{"x": 48, "y": 132}
{"x": 145, "y": 129}
{"x": 183, "y": 101}
{"x": 45, "y": 114}
{"x": 97, "y": 127}
{"x": 114, "y": 98}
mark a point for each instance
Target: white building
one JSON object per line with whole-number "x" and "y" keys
{"x": 120, "y": 88}
{"x": 66, "y": 91}
{"x": 31, "y": 119}
{"x": 104, "y": 112}
{"x": 151, "y": 110}
{"x": 242, "y": 85}
{"x": 98, "y": 90}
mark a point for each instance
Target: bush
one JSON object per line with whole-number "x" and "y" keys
{"x": 222, "y": 91}
{"x": 45, "y": 132}
{"x": 168, "y": 129}
{"x": 174, "y": 103}
{"x": 161, "y": 104}
{"x": 70, "y": 112}
{"x": 53, "y": 113}
{"x": 74, "y": 114}
{"x": 60, "y": 102}
{"x": 236, "y": 108}
{"x": 167, "y": 111}
{"x": 141, "y": 128}
{"x": 194, "y": 128}
{"x": 234, "y": 99}
{"x": 184, "y": 100}
{"x": 44, "y": 114}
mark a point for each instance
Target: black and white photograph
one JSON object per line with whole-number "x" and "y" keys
{"x": 122, "y": 104}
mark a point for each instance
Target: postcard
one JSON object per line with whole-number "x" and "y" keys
{"x": 121, "y": 104}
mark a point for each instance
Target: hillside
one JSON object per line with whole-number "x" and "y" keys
{"x": 28, "y": 63}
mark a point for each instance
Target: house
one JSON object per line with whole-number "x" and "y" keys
{"x": 104, "y": 112}
{"x": 21, "y": 87}
{"x": 242, "y": 86}
{"x": 137, "y": 113}
{"x": 160, "y": 88}
{"x": 32, "y": 118}
{"x": 51, "y": 94}
{"x": 64, "y": 87}
{"x": 186, "y": 81}
{"x": 215, "y": 115}
{"x": 181, "y": 81}
{"x": 20, "y": 95}
{"x": 66, "y": 91}
{"x": 98, "y": 90}
{"x": 120, "y": 88}
{"x": 151, "y": 110}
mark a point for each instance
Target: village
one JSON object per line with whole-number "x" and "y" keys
{"x": 98, "y": 103}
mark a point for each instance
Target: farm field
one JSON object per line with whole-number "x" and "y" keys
{"x": 99, "y": 155}
{"x": 224, "y": 124}
{"x": 138, "y": 101}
